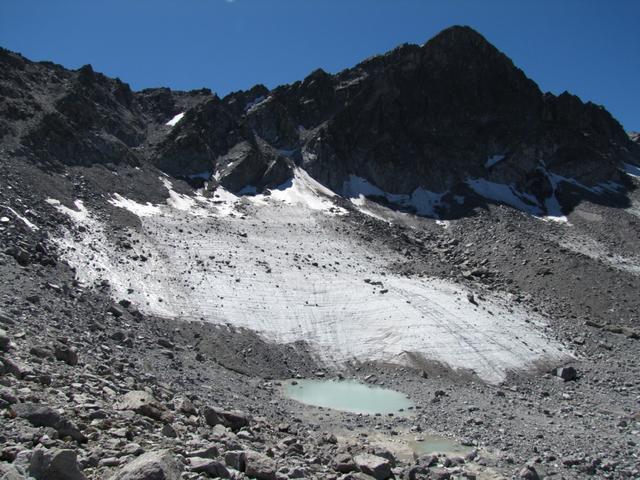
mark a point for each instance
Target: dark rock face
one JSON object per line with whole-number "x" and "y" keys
{"x": 425, "y": 116}
{"x": 431, "y": 116}
{"x": 252, "y": 164}
{"x": 207, "y": 131}
{"x": 56, "y": 116}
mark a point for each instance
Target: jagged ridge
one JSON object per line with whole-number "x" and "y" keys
{"x": 424, "y": 117}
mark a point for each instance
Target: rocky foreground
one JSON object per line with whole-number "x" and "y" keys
{"x": 93, "y": 388}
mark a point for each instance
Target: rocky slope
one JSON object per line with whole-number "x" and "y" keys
{"x": 169, "y": 257}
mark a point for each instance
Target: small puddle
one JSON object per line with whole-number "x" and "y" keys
{"x": 347, "y": 396}
{"x": 437, "y": 444}
{"x": 407, "y": 446}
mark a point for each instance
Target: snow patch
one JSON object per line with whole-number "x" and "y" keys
{"x": 254, "y": 102}
{"x": 257, "y": 103}
{"x": 423, "y": 201}
{"x": 224, "y": 202}
{"x": 175, "y": 120}
{"x": 139, "y": 209}
{"x": 178, "y": 204}
{"x": 265, "y": 281}
{"x": 23, "y": 219}
{"x": 181, "y": 202}
{"x": 248, "y": 190}
{"x": 206, "y": 175}
{"x": 510, "y": 195}
{"x": 606, "y": 187}
{"x": 493, "y": 160}
{"x": 633, "y": 170}
{"x": 302, "y": 190}
{"x": 507, "y": 194}
{"x": 79, "y": 216}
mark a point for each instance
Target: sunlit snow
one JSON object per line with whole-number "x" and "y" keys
{"x": 142, "y": 210}
{"x": 422, "y": 201}
{"x": 281, "y": 270}
{"x": 507, "y": 194}
{"x": 175, "y": 120}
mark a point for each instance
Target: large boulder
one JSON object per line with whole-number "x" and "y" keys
{"x": 344, "y": 463}
{"x": 52, "y": 464}
{"x": 20, "y": 254}
{"x": 7, "y": 396}
{"x": 567, "y": 373}
{"x": 143, "y": 403}
{"x": 233, "y": 419}
{"x": 155, "y": 465}
{"x": 528, "y": 473}
{"x": 377, "y": 467}
{"x": 209, "y": 452}
{"x": 15, "y": 367}
{"x": 235, "y": 459}
{"x": 259, "y": 466}
{"x": 66, "y": 354}
{"x": 5, "y": 341}
{"x": 10, "y": 472}
{"x": 416, "y": 472}
{"x": 440, "y": 474}
{"x": 43, "y": 416}
{"x": 211, "y": 467}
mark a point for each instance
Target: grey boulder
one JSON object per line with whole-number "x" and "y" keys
{"x": 377, "y": 467}
{"x": 43, "y": 416}
{"x": 259, "y": 466}
{"x": 10, "y": 472}
{"x": 155, "y": 465}
{"x": 234, "y": 419}
{"x": 211, "y": 467}
{"x": 143, "y": 403}
{"x": 43, "y": 464}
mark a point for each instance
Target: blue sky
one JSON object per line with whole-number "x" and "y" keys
{"x": 589, "y": 47}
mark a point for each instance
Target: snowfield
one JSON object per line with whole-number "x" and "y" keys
{"x": 281, "y": 265}
{"x": 174, "y": 121}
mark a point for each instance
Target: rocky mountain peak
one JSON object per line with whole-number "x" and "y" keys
{"x": 433, "y": 117}
{"x": 460, "y": 40}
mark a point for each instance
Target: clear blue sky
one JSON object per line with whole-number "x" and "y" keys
{"x": 589, "y": 47}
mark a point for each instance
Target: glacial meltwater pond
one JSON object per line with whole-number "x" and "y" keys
{"x": 437, "y": 444}
{"x": 347, "y": 396}
{"x": 355, "y": 397}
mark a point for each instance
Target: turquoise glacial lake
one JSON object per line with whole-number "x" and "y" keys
{"x": 347, "y": 396}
